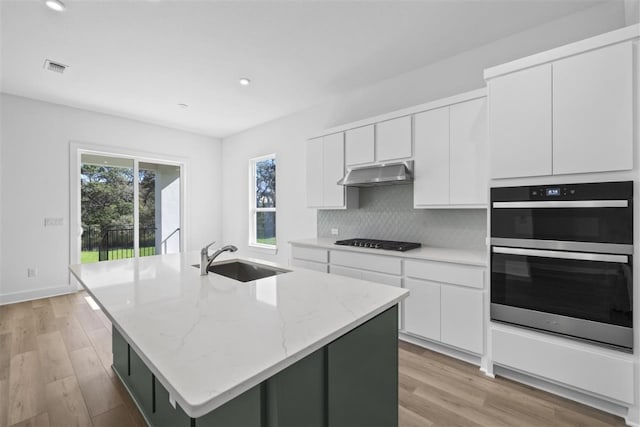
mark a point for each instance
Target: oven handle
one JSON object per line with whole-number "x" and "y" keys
{"x": 564, "y": 204}
{"x": 561, "y": 255}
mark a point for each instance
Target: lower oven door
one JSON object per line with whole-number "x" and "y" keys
{"x": 582, "y": 295}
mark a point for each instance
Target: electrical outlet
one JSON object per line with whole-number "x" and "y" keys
{"x": 32, "y": 272}
{"x": 335, "y": 232}
{"x": 53, "y": 222}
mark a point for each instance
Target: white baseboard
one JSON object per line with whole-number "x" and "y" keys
{"x": 37, "y": 294}
{"x": 568, "y": 393}
{"x": 440, "y": 348}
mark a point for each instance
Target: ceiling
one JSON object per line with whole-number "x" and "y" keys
{"x": 139, "y": 59}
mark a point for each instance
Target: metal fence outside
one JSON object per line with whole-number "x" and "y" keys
{"x": 117, "y": 242}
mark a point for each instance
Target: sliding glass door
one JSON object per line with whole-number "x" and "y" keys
{"x": 129, "y": 207}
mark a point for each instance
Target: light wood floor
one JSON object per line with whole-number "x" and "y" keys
{"x": 55, "y": 358}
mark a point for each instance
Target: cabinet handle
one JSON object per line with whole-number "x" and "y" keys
{"x": 561, "y": 255}
{"x": 563, "y": 204}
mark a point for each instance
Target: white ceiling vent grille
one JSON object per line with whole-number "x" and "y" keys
{"x": 54, "y": 66}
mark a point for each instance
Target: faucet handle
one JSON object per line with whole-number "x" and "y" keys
{"x": 205, "y": 250}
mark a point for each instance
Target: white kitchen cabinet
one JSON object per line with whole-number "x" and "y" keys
{"x": 582, "y": 366}
{"x": 333, "y": 170}
{"x": 520, "y": 123}
{"x": 379, "y": 263}
{"x": 461, "y": 318}
{"x": 393, "y": 139}
{"x": 310, "y": 265}
{"x": 593, "y": 111}
{"x": 310, "y": 258}
{"x": 325, "y": 166}
{"x": 314, "y": 172}
{"x": 310, "y": 254}
{"x": 451, "y": 156}
{"x": 422, "y": 309}
{"x": 360, "y": 145}
{"x": 373, "y": 268}
{"x": 468, "y": 157}
{"x": 431, "y": 174}
{"x": 460, "y": 303}
{"x": 345, "y": 271}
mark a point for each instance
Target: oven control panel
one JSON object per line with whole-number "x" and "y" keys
{"x": 586, "y": 191}
{"x": 552, "y": 192}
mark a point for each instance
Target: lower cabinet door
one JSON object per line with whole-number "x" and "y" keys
{"x": 141, "y": 382}
{"x": 362, "y": 375}
{"x": 462, "y": 318}
{"x": 422, "y": 309}
{"x": 164, "y": 414}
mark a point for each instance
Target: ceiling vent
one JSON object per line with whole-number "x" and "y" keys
{"x": 54, "y": 66}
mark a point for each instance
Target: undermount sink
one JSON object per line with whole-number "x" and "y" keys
{"x": 244, "y": 271}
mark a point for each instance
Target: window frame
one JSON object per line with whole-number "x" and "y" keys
{"x": 254, "y": 210}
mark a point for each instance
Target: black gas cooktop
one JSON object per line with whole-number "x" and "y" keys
{"x": 379, "y": 244}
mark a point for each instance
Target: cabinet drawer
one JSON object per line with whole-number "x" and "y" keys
{"x": 594, "y": 370}
{"x": 344, "y": 271}
{"x": 458, "y": 274}
{"x": 309, "y": 265}
{"x": 385, "y": 279}
{"x": 382, "y": 264}
{"x": 310, "y": 254}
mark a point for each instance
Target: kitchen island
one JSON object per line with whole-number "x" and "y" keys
{"x": 299, "y": 348}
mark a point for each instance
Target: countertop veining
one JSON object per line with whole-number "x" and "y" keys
{"x": 210, "y": 338}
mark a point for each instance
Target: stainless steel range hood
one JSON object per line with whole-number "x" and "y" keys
{"x": 383, "y": 174}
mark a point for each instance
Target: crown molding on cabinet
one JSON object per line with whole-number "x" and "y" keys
{"x": 613, "y": 37}
{"x": 443, "y": 102}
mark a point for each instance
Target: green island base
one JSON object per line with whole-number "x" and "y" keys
{"x": 351, "y": 382}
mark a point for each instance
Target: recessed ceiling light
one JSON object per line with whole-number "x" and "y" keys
{"x": 56, "y": 5}
{"x": 244, "y": 81}
{"x": 183, "y": 105}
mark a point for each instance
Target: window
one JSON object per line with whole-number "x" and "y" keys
{"x": 262, "y": 202}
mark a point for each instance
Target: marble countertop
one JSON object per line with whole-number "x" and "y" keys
{"x": 210, "y": 338}
{"x": 458, "y": 256}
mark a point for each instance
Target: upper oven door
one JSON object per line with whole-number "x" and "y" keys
{"x": 594, "y": 221}
{"x": 600, "y": 212}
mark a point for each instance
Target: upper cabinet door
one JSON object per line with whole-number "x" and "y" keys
{"x": 520, "y": 123}
{"x": 393, "y": 139}
{"x": 431, "y": 175}
{"x": 359, "y": 145}
{"x": 592, "y": 111}
{"x": 468, "y": 174}
{"x": 333, "y": 170}
{"x": 314, "y": 172}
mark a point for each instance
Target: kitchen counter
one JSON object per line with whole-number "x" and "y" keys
{"x": 208, "y": 339}
{"x": 459, "y": 256}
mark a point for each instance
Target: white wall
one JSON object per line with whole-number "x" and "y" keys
{"x": 286, "y": 136}
{"x": 632, "y": 12}
{"x": 34, "y": 178}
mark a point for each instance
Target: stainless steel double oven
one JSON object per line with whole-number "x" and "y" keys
{"x": 561, "y": 260}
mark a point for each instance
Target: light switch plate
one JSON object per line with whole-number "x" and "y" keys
{"x": 53, "y": 222}
{"x": 335, "y": 231}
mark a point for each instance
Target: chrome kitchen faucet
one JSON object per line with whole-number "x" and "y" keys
{"x": 206, "y": 260}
